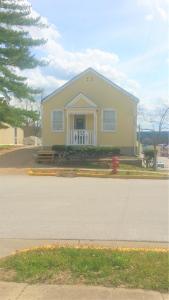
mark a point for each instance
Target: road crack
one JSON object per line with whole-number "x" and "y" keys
{"x": 21, "y": 292}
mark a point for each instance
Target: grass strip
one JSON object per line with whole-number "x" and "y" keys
{"x": 130, "y": 268}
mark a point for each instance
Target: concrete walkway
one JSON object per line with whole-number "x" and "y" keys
{"x": 20, "y": 291}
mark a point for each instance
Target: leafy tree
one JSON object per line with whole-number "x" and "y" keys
{"x": 17, "y": 117}
{"x": 149, "y": 155}
{"x": 16, "y": 55}
{"x": 158, "y": 120}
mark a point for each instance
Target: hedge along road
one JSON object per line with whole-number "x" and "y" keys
{"x": 83, "y": 208}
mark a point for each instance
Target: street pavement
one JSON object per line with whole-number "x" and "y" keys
{"x": 83, "y": 208}
{"x": 113, "y": 212}
{"x": 21, "y": 291}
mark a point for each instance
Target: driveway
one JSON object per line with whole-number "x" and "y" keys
{"x": 18, "y": 158}
{"x": 83, "y": 208}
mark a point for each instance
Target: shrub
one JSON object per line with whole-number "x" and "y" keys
{"x": 149, "y": 155}
{"x": 58, "y": 148}
{"x": 86, "y": 151}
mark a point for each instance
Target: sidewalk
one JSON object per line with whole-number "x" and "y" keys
{"x": 20, "y": 291}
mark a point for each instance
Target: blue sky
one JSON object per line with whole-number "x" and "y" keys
{"x": 125, "y": 40}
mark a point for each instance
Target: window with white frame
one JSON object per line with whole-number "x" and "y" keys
{"x": 57, "y": 120}
{"x": 109, "y": 120}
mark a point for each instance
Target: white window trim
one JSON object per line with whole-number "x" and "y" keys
{"x": 102, "y": 126}
{"x": 55, "y": 130}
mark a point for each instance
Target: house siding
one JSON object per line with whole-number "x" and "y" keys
{"x": 7, "y": 136}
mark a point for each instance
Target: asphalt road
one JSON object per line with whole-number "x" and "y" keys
{"x": 83, "y": 208}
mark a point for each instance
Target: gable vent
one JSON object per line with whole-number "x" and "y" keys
{"x": 89, "y": 78}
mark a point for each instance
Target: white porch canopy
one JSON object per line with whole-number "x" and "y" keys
{"x": 81, "y": 105}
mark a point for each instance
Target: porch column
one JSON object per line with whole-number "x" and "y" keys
{"x": 67, "y": 129}
{"x": 95, "y": 127}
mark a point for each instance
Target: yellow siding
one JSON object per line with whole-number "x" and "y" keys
{"x": 89, "y": 122}
{"x": 81, "y": 103}
{"x": 104, "y": 96}
{"x": 7, "y": 136}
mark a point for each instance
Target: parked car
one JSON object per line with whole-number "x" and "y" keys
{"x": 160, "y": 164}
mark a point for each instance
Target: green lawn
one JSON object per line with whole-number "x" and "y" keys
{"x": 6, "y": 146}
{"x": 96, "y": 165}
{"x": 132, "y": 167}
{"x": 99, "y": 165}
{"x": 104, "y": 267}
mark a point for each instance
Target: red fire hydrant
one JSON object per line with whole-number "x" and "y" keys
{"x": 115, "y": 164}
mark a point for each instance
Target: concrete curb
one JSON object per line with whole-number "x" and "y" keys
{"x": 21, "y": 291}
{"x": 96, "y": 173}
{"x": 76, "y": 172}
{"x": 14, "y": 171}
{"x": 11, "y": 246}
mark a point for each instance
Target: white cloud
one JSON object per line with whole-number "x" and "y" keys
{"x": 149, "y": 116}
{"x": 155, "y": 104}
{"x": 155, "y": 8}
{"x": 146, "y": 60}
{"x": 149, "y": 17}
{"x": 77, "y": 61}
{"x": 151, "y": 108}
{"x": 65, "y": 64}
{"x": 37, "y": 79}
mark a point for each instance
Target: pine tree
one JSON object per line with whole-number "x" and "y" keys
{"x": 16, "y": 49}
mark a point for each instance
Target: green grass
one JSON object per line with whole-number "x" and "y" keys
{"x": 132, "y": 167}
{"x": 104, "y": 267}
{"x": 99, "y": 165}
{"x": 136, "y": 168}
{"x": 155, "y": 174}
{"x": 124, "y": 169}
{"x": 7, "y": 147}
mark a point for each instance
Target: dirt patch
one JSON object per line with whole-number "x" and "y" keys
{"x": 60, "y": 278}
{"x": 7, "y": 274}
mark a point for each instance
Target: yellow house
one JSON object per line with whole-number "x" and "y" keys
{"x": 11, "y": 135}
{"x": 90, "y": 110}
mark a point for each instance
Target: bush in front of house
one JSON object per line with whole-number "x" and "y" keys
{"x": 149, "y": 155}
{"x": 83, "y": 152}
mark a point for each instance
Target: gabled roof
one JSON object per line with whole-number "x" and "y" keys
{"x": 90, "y": 70}
{"x": 73, "y": 103}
